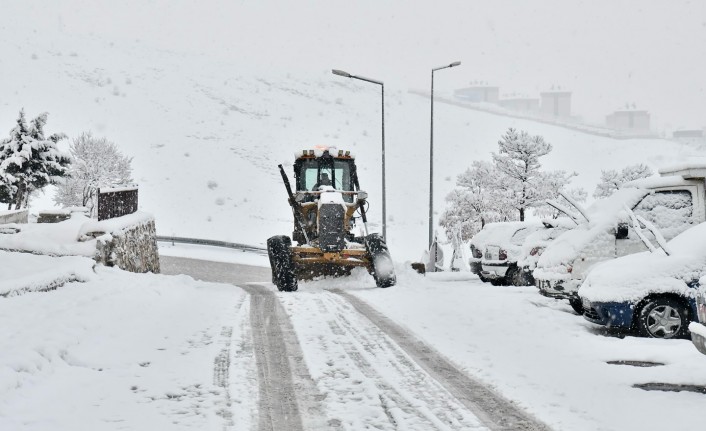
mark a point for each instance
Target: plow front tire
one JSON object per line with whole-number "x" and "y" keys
{"x": 280, "y": 254}
{"x": 383, "y": 270}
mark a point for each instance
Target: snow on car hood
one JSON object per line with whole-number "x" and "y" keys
{"x": 632, "y": 277}
{"x": 541, "y": 239}
{"x": 604, "y": 216}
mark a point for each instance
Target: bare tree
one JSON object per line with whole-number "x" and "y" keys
{"x": 97, "y": 163}
{"x": 478, "y": 199}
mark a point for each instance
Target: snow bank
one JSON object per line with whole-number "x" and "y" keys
{"x": 58, "y": 239}
{"x": 114, "y": 225}
{"x": 22, "y": 272}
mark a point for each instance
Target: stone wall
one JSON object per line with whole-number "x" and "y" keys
{"x": 132, "y": 249}
{"x": 14, "y": 216}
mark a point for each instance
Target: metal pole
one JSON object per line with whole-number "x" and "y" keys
{"x": 431, "y": 166}
{"x": 384, "y": 200}
{"x": 382, "y": 86}
{"x": 431, "y": 154}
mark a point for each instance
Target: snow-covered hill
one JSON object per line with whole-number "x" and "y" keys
{"x": 207, "y": 134}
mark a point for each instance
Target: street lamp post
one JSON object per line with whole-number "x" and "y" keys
{"x": 431, "y": 155}
{"x": 382, "y": 86}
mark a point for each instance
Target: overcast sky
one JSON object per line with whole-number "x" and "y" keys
{"x": 649, "y": 52}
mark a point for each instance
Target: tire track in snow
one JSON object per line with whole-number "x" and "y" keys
{"x": 496, "y": 412}
{"x": 288, "y": 397}
{"x": 409, "y": 397}
{"x": 222, "y": 365}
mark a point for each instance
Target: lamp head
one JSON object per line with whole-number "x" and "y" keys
{"x": 340, "y": 73}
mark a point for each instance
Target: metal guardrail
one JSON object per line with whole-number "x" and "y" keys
{"x": 213, "y": 242}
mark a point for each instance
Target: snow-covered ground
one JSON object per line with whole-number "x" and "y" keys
{"x": 126, "y": 351}
{"x": 119, "y": 351}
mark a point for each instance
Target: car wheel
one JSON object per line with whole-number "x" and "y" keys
{"x": 510, "y": 276}
{"x": 576, "y": 305}
{"x": 663, "y": 318}
{"x": 523, "y": 278}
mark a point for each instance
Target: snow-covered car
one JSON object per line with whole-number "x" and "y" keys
{"x": 652, "y": 293}
{"x": 536, "y": 242}
{"x": 501, "y": 251}
{"x": 477, "y": 244}
{"x": 673, "y": 204}
{"x": 698, "y": 330}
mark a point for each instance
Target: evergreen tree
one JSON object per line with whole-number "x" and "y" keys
{"x": 518, "y": 159}
{"x": 505, "y": 189}
{"x": 29, "y": 160}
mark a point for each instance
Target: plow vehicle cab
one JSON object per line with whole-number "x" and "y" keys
{"x": 325, "y": 202}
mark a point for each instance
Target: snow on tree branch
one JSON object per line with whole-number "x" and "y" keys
{"x": 612, "y": 179}
{"x": 29, "y": 161}
{"x": 97, "y": 163}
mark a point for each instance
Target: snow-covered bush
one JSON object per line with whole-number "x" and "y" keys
{"x": 29, "y": 161}
{"x": 97, "y": 163}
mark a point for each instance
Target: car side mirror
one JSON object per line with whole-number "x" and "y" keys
{"x": 621, "y": 232}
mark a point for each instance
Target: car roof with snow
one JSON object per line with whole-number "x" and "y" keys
{"x": 632, "y": 277}
{"x": 497, "y": 231}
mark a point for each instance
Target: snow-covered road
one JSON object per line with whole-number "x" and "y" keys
{"x": 445, "y": 351}
{"x": 353, "y": 360}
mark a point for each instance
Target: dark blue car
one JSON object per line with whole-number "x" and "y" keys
{"x": 652, "y": 293}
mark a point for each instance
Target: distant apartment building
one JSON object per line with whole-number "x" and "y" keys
{"x": 629, "y": 119}
{"x": 556, "y": 103}
{"x": 696, "y": 136}
{"x": 520, "y": 104}
{"x": 478, "y": 93}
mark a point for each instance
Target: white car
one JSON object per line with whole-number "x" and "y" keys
{"x": 502, "y": 249}
{"x": 535, "y": 243}
{"x": 479, "y": 240}
{"x": 652, "y": 293}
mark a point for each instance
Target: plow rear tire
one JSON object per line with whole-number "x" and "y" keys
{"x": 383, "y": 270}
{"x": 280, "y": 254}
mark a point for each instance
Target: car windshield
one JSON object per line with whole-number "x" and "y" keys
{"x": 519, "y": 237}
